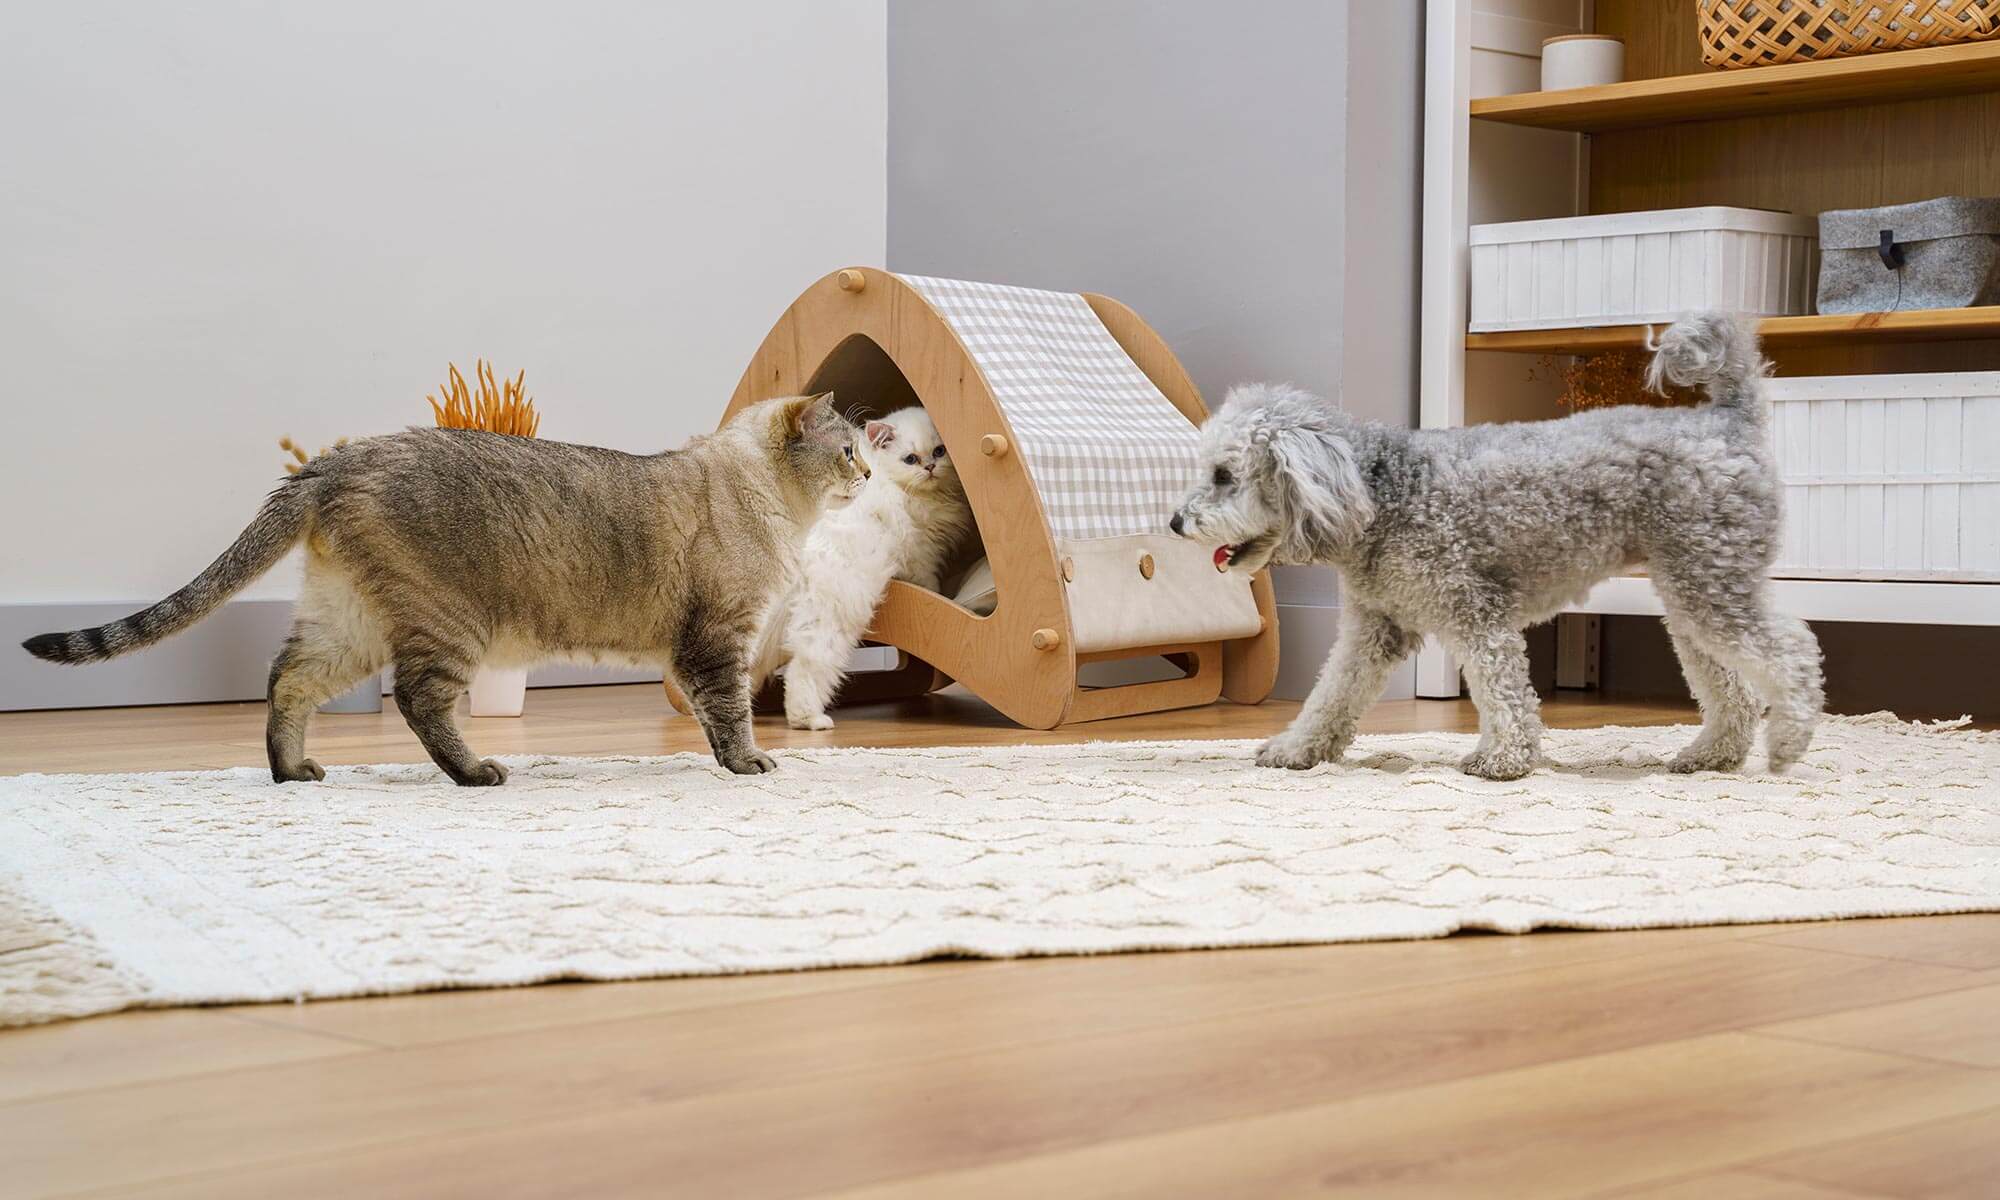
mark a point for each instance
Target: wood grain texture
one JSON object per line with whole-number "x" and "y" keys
{"x": 1484, "y": 1064}
{"x": 629, "y": 719}
{"x": 803, "y": 1095}
{"x": 1737, "y": 1185}
{"x": 1572, "y": 1129}
{"x": 74, "y": 1056}
{"x": 1972, "y": 942}
{"x": 1779, "y": 333}
{"x": 1706, "y": 95}
{"x": 1957, "y": 1027}
{"x": 1954, "y": 1159}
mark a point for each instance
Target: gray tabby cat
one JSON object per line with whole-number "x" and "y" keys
{"x": 437, "y": 550}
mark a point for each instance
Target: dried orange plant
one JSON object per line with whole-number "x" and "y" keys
{"x": 502, "y": 408}
{"x": 1603, "y": 380}
{"x": 291, "y": 447}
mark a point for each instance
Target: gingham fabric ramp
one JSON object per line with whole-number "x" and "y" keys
{"x": 1110, "y": 458}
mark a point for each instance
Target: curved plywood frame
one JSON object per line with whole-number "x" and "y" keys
{"x": 1249, "y": 666}
{"x": 1021, "y": 659}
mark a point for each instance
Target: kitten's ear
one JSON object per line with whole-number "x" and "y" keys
{"x": 880, "y": 433}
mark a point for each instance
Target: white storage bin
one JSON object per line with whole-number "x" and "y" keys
{"x": 1640, "y": 268}
{"x": 1890, "y": 476}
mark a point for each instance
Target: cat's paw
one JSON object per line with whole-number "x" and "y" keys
{"x": 486, "y": 774}
{"x": 1295, "y": 753}
{"x": 811, "y": 721}
{"x": 749, "y": 762}
{"x": 307, "y": 771}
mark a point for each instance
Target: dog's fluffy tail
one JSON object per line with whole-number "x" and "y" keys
{"x": 1717, "y": 352}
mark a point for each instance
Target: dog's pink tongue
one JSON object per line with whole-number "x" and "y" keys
{"x": 1223, "y": 554}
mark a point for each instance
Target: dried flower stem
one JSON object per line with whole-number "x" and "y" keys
{"x": 499, "y": 407}
{"x": 1603, "y": 380}
{"x": 291, "y": 447}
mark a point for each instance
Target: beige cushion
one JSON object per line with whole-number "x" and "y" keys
{"x": 1114, "y": 607}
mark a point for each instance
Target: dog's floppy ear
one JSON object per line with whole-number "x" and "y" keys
{"x": 1321, "y": 497}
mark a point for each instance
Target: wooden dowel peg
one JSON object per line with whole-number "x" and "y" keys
{"x": 993, "y": 445}
{"x": 1045, "y": 639}
{"x": 852, "y": 280}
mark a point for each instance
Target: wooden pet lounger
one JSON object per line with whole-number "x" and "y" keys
{"x": 1073, "y": 428}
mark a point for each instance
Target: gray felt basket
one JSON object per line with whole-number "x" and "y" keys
{"x": 1942, "y": 253}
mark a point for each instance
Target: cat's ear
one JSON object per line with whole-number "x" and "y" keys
{"x": 802, "y": 413}
{"x": 794, "y": 413}
{"x": 880, "y": 433}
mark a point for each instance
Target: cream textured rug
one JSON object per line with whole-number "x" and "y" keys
{"x": 177, "y": 888}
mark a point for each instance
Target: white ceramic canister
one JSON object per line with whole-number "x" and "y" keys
{"x": 1582, "y": 60}
{"x": 498, "y": 691}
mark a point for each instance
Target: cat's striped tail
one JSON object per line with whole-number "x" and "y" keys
{"x": 277, "y": 528}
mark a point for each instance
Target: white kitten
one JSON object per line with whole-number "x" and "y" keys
{"x": 910, "y": 521}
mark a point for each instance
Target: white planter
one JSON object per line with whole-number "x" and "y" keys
{"x": 1640, "y": 268}
{"x": 1582, "y": 60}
{"x": 1890, "y": 476}
{"x": 498, "y": 691}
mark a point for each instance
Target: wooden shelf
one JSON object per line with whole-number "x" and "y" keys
{"x": 1918, "y": 325}
{"x": 1864, "y": 79}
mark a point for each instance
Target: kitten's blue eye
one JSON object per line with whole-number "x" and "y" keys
{"x": 848, "y": 450}
{"x": 938, "y": 453}
{"x": 910, "y": 458}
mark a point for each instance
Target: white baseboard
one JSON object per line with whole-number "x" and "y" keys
{"x": 226, "y": 657}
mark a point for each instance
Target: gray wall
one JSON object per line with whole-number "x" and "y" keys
{"x": 1245, "y": 176}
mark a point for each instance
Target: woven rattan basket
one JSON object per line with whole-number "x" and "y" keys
{"x": 1762, "y": 33}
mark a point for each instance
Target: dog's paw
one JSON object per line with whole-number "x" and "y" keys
{"x": 1502, "y": 763}
{"x": 1709, "y": 756}
{"x": 1294, "y": 753}
{"x": 1786, "y": 742}
{"x": 751, "y": 762}
{"x": 810, "y": 721}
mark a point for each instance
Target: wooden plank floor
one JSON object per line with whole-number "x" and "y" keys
{"x": 1789, "y": 1062}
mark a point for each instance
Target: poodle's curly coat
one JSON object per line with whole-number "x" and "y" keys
{"x": 1472, "y": 535}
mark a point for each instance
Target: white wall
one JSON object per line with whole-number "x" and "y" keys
{"x": 222, "y": 222}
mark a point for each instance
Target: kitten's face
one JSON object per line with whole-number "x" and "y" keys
{"x": 821, "y": 447}
{"x": 906, "y": 448}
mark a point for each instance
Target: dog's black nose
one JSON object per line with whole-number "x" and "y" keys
{"x": 1175, "y": 524}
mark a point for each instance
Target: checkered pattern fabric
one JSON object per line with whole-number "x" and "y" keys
{"x": 1109, "y": 455}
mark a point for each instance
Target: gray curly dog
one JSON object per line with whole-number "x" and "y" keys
{"x": 1472, "y": 535}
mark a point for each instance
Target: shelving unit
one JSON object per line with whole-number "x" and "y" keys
{"x": 1875, "y": 129}
{"x": 1793, "y": 87}
{"x": 1919, "y": 325}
